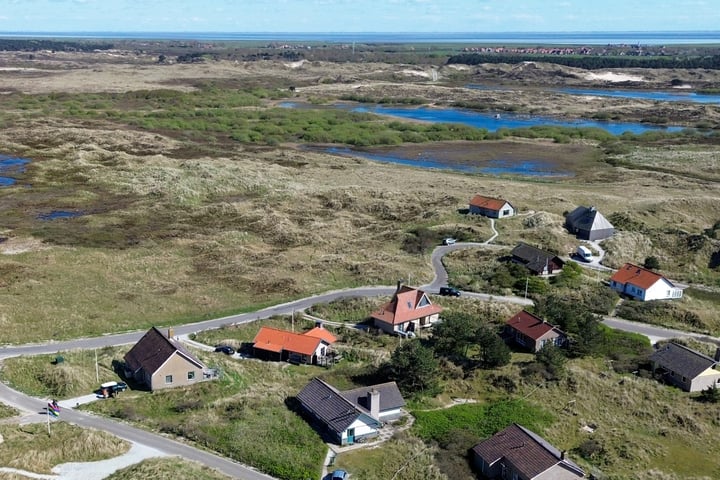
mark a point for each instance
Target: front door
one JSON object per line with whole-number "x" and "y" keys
{"x": 351, "y": 436}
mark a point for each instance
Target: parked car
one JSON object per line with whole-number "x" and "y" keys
{"x": 226, "y": 349}
{"x": 449, "y": 241}
{"x": 111, "y": 388}
{"x": 339, "y": 475}
{"x": 449, "y": 292}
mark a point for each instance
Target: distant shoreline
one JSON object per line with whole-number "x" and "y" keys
{"x": 542, "y": 38}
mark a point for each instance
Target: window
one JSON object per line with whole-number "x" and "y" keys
{"x": 168, "y": 378}
{"x": 191, "y": 375}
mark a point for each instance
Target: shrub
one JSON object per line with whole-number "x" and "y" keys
{"x": 652, "y": 263}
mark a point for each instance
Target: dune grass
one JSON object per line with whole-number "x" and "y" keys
{"x": 161, "y": 468}
{"x": 30, "y": 448}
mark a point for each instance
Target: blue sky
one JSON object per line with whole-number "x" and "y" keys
{"x": 358, "y": 15}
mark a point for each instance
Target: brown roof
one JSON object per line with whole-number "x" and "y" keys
{"x": 276, "y": 340}
{"x": 407, "y": 304}
{"x": 153, "y": 350}
{"x": 637, "y": 276}
{"x": 489, "y": 203}
{"x": 529, "y": 453}
{"x": 530, "y": 325}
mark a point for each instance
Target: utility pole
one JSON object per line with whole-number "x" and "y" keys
{"x": 97, "y": 368}
{"x": 527, "y": 279}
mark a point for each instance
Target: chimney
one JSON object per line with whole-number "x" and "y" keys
{"x": 171, "y": 332}
{"x": 562, "y": 455}
{"x": 399, "y": 285}
{"x": 319, "y": 324}
{"x": 373, "y": 400}
{"x": 717, "y": 354}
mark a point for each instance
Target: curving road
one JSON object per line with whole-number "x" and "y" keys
{"x": 229, "y": 467}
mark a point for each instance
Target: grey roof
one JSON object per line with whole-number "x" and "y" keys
{"x": 529, "y": 452}
{"x": 588, "y": 219}
{"x": 682, "y": 360}
{"x": 390, "y": 396}
{"x": 153, "y": 350}
{"x": 534, "y": 258}
{"x": 328, "y": 404}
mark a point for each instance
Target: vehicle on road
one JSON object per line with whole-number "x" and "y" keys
{"x": 584, "y": 253}
{"x": 449, "y": 241}
{"x": 110, "y": 389}
{"x": 226, "y": 349}
{"x": 339, "y": 475}
{"x": 449, "y": 292}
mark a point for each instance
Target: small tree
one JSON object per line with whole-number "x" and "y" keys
{"x": 414, "y": 368}
{"x": 553, "y": 360}
{"x": 710, "y": 395}
{"x": 493, "y": 351}
{"x": 652, "y": 263}
{"x": 454, "y": 335}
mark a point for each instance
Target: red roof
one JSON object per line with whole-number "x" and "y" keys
{"x": 406, "y": 305}
{"x": 321, "y": 333}
{"x": 275, "y": 340}
{"x": 637, "y": 276}
{"x": 530, "y": 325}
{"x": 489, "y": 203}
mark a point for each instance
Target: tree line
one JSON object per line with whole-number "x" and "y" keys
{"x": 34, "y": 45}
{"x": 591, "y": 62}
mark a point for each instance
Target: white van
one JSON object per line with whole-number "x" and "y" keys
{"x": 584, "y": 253}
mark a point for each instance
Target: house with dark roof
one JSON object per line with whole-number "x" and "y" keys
{"x": 409, "y": 310}
{"x": 519, "y": 453}
{"x": 311, "y": 347}
{"x": 588, "y": 224}
{"x": 159, "y": 361}
{"x": 491, "y": 207}
{"x": 351, "y": 415}
{"x": 536, "y": 260}
{"x": 686, "y": 368}
{"x": 642, "y": 284}
{"x": 532, "y": 332}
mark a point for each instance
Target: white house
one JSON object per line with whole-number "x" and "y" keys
{"x": 491, "y": 207}
{"x": 354, "y": 414}
{"x": 643, "y": 284}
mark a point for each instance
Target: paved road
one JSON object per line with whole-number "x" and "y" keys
{"x": 236, "y": 470}
{"x": 654, "y": 333}
{"x": 132, "y": 434}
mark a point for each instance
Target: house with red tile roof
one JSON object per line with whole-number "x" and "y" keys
{"x": 519, "y": 453}
{"x": 159, "y": 361}
{"x": 409, "y": 310}
{"x": 642, "y": 284}
{"x": 491, "y": 207}
{"x": 533, "y": 333}
{"x": 311, "y": 347}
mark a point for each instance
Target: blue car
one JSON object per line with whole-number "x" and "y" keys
{"x": 339, "y": 475}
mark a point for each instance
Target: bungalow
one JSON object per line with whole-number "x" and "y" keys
{"x": 537, "y": 261}
{"x": 686, "y": 368}
{"x": 351, "y": 415}
{"x": 643, "y": 284}
{"x": 588, "y": 224}
{"x": 311, "y": 347}
{"x": 532, "y": 332}
{"x": 159, "y": 361}
{"x": 519, "y": 453}
{"x": 409, "y": 310}
{"x": 491, "y": 207}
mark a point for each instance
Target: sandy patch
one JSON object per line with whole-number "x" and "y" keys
{"x": 15, "y": 246}
{"x": 415, "y": 73}
{"x": 613, "y": 77}
{"x": 297, "y": 64}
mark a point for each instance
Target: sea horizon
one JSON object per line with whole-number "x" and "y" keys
{"x": 669, "y": 37}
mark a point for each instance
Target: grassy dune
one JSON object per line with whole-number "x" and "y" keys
{"x": 30, "y": 448}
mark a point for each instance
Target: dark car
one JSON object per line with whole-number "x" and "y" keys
{"x": 226, "y": 349}
{"x": 449, "y": 292}
{"x": 339, "y": 475}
